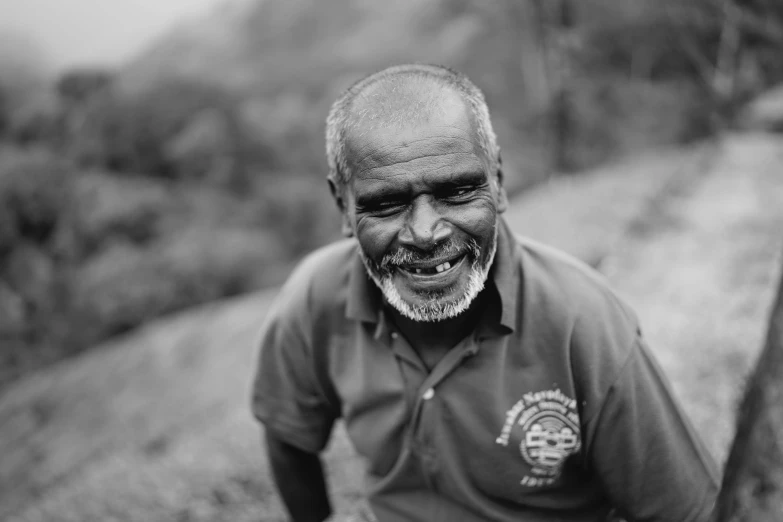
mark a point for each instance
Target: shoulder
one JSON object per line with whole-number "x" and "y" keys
{"x": 571, "y": 287}
{"x": 575, "y": 300}
{"x": 318, "y": 285}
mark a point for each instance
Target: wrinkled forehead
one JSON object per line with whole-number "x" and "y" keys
{"x": 385, "y": 119}
{"x": 400, "y": 104}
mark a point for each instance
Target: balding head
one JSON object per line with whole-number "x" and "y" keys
{"x": 401, "y": 96}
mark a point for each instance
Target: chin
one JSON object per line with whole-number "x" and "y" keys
{"x": 431, "y": 307}
{"x": 434, "y": 308}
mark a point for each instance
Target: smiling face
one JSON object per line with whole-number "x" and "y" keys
{"x": 423, "y": 203}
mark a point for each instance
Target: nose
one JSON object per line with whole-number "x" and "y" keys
{"x": 424, "y": 226}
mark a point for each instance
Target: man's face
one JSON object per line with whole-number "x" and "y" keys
{"x": 423, "y": 204}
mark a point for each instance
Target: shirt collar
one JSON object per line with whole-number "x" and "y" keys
{"x": 506, "y": 274}
{"x": 365, "y": 302}
{"x": 364, "y": 299}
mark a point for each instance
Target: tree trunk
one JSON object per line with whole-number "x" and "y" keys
{"x": 556, "y": 22}
{"x": 561, "y": 108}
{"x": 533, "y": 52}
{"x": 752, "y": 488}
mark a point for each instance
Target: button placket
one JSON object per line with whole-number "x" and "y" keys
{"x": 425, "y": 433}
{"x": 420, "y": 434}
{"x": 424, "y": 436}
{"x": 413, "y": 375}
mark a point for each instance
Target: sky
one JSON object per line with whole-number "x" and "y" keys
{"x": 94, "y": 32}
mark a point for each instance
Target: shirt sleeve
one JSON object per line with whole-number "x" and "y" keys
{"x": 643, "y": 449}
{"x": 288, "y": 398}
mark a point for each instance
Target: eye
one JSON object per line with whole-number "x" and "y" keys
{"x": 459, "y": 193}
{"x": 383, "y": 208}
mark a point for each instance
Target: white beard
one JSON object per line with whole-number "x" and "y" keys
{"x": 434, "y": 308}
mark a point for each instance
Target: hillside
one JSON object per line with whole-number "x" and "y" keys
{"x": 286, "y": 62}
{"x": 155, "y": 425}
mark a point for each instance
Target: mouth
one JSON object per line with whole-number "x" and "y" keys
{"x": 432, "y": 268}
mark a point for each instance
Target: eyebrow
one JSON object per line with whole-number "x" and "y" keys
{"x": 380, "y": 190}
{"x": 466, "y": 177}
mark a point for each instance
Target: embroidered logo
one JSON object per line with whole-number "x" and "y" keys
{"x": 547, "y": 424}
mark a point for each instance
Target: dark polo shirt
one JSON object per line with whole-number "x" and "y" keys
{"x": 553, "y": 410}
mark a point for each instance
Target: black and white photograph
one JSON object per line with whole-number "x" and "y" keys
{"x": 401, "y": 261}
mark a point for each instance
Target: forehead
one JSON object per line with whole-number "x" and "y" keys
{"x": 416, "y": 138}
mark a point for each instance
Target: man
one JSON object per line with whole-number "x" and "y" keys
{"x": 480, "y": 375}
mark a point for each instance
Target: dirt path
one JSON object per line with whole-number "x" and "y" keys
{"x": 702, "y": 273}
{"x": 155, "y": 427}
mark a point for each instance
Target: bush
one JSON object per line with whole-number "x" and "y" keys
{"x": 35, "y": 227}
{"x": 35, "y": 197}
{"x": 125, "y": 285}
{"x": 142, "y": 133}
{"x": 87, "y": 255}
{"x": 113, "y": 208}
{"x": 36, "y": 122}
{"x": 301, "y": 210}
{"x": 80, "y": 86}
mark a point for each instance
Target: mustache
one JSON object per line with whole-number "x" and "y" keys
{"x": 448, "y": 249}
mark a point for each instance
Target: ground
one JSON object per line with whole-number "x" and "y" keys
{"x": 156, "y": 426}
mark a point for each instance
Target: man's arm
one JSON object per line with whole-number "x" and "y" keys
{"x": 299, "y": 476}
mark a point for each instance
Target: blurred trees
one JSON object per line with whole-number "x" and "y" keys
{"x": 609, "y": 64}
{"x": 86, "y": 254}
{"x": 35, "y": 250}
{"x": 117, "y": 207}
{"x": 728, "y": 49}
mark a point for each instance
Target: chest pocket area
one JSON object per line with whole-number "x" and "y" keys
{"x": 375, "y": 414}
{"x": 536, "y": 447}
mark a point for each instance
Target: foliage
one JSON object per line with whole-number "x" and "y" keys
{"x": 118, "y": 209}
{"x": 90, "y": 254}
{"x": 78, "y": 86}
{"x": 34, "y": 121}
{"x": 35, "y": 213}
{"x": 125, "y": 285}
{"x": 304, "y": 214}
{"x": 34, "y": 196}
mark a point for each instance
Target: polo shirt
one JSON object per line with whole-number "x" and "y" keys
{"x": 552, "y": 410}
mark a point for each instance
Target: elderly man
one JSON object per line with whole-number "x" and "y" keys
{"x": 481, "y": 376}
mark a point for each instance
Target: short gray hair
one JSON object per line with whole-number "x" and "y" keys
{"x": 341, "y": 118}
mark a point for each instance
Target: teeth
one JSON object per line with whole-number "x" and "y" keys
{"x": 438, "y": 269}
{"x": 444, "y": 266}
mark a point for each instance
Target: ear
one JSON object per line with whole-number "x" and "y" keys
{"x": 346, "y": 228}
{"x": 502, "y": 202}
{"x": 502, "y": 198}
